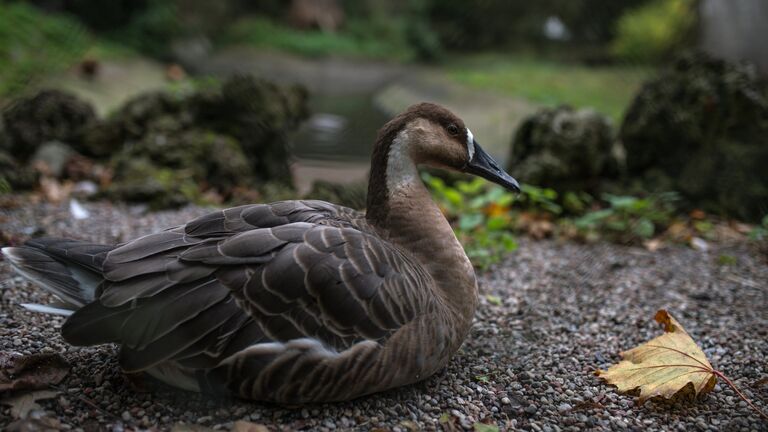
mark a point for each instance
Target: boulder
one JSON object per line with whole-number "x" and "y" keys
{"x": 52, "y": 158}
{"x": 170, "y": 169}
{"x": 139, "y": 179}
{"x": 15, "y": 175}
{"x": 258, "y": 114}
{"x": 700, "y": 129}
{"x": 49, "y": 115}
{"x": 566, "y": 149}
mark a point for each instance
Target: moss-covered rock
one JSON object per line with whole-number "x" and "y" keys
{"x": 140, "y": 180}
{"x": 258, "y": 114}
{"x": 197, "y": 159}
{"x": 222, "y": 138}
{"x": 15, "y": 175}
{"x": 49, "y": 115}
{"x": 566, "y": 149}
{"x": 701, "y": 128}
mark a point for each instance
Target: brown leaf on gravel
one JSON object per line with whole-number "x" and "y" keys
{"x": 30, "y": 372}
{"x": 244, "y": 426}
{"x": 184, "y": 427}
{"x": 22, "y": 404}
{"x": 664, "y": 366}
{"x": 44, "y": 424}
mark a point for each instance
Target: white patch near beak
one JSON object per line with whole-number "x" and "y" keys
{"x": 470, "y": 144}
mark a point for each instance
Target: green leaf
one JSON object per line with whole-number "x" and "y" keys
{"x": 483, "y": 378}
{"x": 483, "y": 427}
{"x": 496, "y": 223}
{"x": 494, "y": 300}
{"x": 643, "y": 228}
{"x": 508, "y": 242}
{"x": 470, "y": 221}
{"x": 444, "y": 418}
{"x": 453, "y": 196}
{"x": 726, "y": 260}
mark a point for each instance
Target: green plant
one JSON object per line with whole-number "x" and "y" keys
{"x": 627, "y": 218}
{"x": 653, "y": 31}
{"x": 760, "y": 232}
{"x": 608, "y": 88}
{"x": 359, "y": 39}
{"x": 479, "y": 213}
{"x": 33, "y": 43}
{"x": 535, "y": 198}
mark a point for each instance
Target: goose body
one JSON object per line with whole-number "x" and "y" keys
{"x": 294, "y": 301}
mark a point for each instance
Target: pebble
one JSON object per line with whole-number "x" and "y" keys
{"x": 565, "y": 311}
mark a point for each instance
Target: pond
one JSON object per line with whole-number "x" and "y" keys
{"x": 342, "y": 127}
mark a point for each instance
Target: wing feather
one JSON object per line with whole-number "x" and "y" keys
{"x": 252, "y": 279}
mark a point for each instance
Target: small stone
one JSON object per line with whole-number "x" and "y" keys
{"x": 126, "y": 416}
{"x": 563, "y": 408}
{"x": 531, "y": 409}
{"x": 505, "y": 401}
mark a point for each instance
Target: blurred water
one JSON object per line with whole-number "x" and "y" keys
{"x": 342, "y": 127}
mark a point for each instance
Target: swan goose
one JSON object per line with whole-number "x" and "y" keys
{"x": 290, "y": 302}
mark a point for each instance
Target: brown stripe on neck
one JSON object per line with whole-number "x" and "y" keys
{"x": 377, "y": 203}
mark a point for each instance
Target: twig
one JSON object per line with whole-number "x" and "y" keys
{"x": 84, "y": 400}
{"x": 741, "y": 395}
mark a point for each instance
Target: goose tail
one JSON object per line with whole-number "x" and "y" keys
{"x": 69, "y": 269}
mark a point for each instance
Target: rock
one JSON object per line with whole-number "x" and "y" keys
{"x": 198, "y": 159}
{"x": 566, "y": 149}
{"x": 699, "y": 128}
{"x": 49, "y": 115}
{"x": 15, "y": 175}
{"x": 222, "y": 139}
{"x": 258, "y": 114}
{"x": 52, "y": 157}
{"x": 140, "y": 180}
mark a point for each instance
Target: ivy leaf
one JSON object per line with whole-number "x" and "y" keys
{"x": 663, "y": 366}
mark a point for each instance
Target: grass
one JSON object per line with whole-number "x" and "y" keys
{"x": 34, "y": 45}
{"x": 608, "y": 89}
{"x": 357, "y": 39}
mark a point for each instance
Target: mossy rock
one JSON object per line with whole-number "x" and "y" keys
{"x": 700, "y": 129}
{"x": 49, "y": 115}
{"x": 15, "y": 175}
{"x": 140, "y": 180}
{"x": 201, "y": 158}
{"x": 258, "y": 114}
{"x": 566, "y": 149}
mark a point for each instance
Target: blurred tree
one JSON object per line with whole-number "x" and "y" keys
{"x": 497, "y": 23}
{"x": 97, "y": 14}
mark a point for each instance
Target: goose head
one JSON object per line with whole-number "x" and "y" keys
{"x": 429, "y": 134}
{"x": 424, "y": 134}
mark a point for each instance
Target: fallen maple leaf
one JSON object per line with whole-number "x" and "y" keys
{"x": 22, "y": 404}
{"x": 29, "y": 372}
{"x": 664, "y": 365}
{"x": 667, "y": 365}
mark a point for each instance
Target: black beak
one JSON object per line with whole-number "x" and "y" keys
{"x": 483, "y": 165}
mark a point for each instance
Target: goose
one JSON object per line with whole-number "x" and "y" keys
{"x": 291, "y": 302}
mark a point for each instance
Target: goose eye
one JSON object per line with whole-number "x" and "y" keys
{"x": 453, "y": 129}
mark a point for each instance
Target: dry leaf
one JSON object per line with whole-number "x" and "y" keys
{"x": 29, "y": 424}
{"x": 663, "y": 366}
{"x": 25, "y": 372}
{"x": 23, "y": 403}
{"x": 245, "y": 426}
{"x": 184, "y": 427}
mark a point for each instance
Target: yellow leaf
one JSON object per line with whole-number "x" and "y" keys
{"x": 663, "y": 366}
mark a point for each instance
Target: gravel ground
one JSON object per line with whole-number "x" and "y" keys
{"x": 566, "y": 310}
